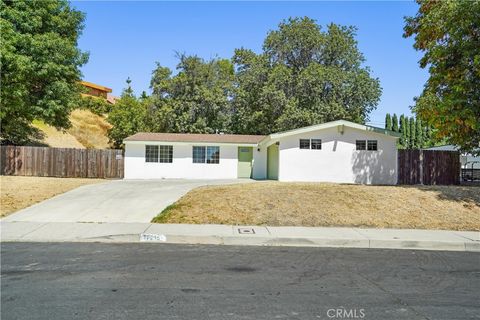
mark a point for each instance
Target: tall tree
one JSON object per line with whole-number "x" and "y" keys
{"x": 428, "y": 136}
{"x": 388, "y": 122}
{"x": 395, "y": 123}
{"x": 403, "y": 131}
{"x": 303, "y": 76}
{"x": 407, "y": 133}
{"x": 419, "y": 133}
{"x": 197, "y": 97}
{"x": 40, "y": 63}
{"x": 402, "y": 123}
{"x": 127, "y": 117}
{"x": 448, "y": 32}
{"x": 413, "y": 134}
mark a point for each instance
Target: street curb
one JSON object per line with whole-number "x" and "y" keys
{"x": 279, "y": 242}
{"x": 327, "y": 243}
{"x": 412, "y": 239}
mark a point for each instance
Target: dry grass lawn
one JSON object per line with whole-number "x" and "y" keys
{"x": 322, "y": 204}
{"x": 20, "y": 192}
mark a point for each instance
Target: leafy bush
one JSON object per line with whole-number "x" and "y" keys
{"x": 96, "y": 105}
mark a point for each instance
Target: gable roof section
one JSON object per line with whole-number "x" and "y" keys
{"x": 196, "y": 137}
{"x": 250, "y": 139}
{"x": 333, "y": 124}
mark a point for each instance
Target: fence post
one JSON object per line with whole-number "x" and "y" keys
{"x": 421, "y": 166}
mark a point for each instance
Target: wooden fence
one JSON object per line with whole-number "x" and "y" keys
{"x": 428, "y": 167}
{"x": 61, "y": 162}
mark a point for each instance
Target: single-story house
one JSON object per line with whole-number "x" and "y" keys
{"x": 338, "y": 151}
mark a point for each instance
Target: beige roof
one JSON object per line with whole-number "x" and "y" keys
{"x": 196, "y": 137}
{"x": 111, "y": 98}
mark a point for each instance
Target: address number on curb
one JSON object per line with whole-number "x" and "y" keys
{"x": 152, "y": 237}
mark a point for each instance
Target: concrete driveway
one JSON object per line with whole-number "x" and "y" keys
{"x": 113, "y": 201}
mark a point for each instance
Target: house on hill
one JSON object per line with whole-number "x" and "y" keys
{"x": 96, "y": 90}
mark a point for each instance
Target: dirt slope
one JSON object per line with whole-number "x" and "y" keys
{"x": 88, "y": 131}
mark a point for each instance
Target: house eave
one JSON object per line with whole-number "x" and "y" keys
{"x": 333, "y": 124}
{"x": 185, "y": 143}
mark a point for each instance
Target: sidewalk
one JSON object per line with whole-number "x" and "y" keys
{"x": 240, "y": 235}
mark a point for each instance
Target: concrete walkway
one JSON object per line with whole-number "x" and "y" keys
{"x": 113, "y": 201}
{"x": 240, "y": 235}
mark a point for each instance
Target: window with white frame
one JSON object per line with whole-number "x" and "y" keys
{"x": 316, "y": 144}
{"x": 198, "y": 154}
{"x": 165, "y": 154}
{"x": 361, "y": 145}
{"x": 213, "y": 154}
{"x": 162, "y": 154}
{"x": 151, "y": 153}
{"x": 209, "y": 154}
{"x": 372, "y": 145}
{"x": 304, "y": 143}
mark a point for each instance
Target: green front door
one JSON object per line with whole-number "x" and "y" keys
{"x": 245, "y": 156}
{"x": 272, "y": 162}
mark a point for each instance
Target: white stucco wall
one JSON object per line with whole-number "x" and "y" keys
{"x": 338, "y": 161}
{"x": 182, "y": 166}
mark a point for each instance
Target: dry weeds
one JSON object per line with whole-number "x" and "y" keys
{"x": 322, "y": 204}
{"x": 20, "y": 192}
{"x": 89, "y": 129}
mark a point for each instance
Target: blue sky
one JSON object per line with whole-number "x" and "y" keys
{"x": 125, "y": 39}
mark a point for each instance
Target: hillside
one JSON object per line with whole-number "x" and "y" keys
{"x": 88, "y": 131}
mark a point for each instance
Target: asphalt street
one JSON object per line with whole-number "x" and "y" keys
{"x": 160, "y": 281}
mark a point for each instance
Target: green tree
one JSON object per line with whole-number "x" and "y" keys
{"x": 448, "y": 33}
{"x": 388, "y": 122}
{"x": 197, "y": 98}
{"x": 407, "y": 133}
{"x": 419, "y": 132}
{"x": 428, "y": 137}
{"x": 40, "y": 63}
{"x": 403, "y": 131}
{"x": 127, "y": 117}
{"x": 413, "y": 134}
{"x": 97, "y": 105}
{"x": 303, "y": 76}
{"x": 395, "y": 123}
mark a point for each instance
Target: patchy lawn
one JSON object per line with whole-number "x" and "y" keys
{"x": 323, "y": 204}
{"x": 20, "y": 192}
